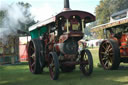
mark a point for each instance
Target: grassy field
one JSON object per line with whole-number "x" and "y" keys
{"x": 20, "y": 75}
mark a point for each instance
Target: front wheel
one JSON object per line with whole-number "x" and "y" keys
{"x": 53, "y": 66}
{"x": 86, "y": 60}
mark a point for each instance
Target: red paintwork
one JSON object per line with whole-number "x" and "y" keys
{"x": 76, "y": 34}
{"x": 81, "y": 14}
{"x": 66, "y": 56}
{"x": 70, "y": 63}
{"x": 57, "y": 47}
{"x": 84, "y": 43}
{"x": 23, "y": 52}
{"x": 63, "y": 38}
{"x": 124, "y": 45}
{"x": 53, "y": 42}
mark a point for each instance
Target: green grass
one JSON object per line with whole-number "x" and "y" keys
{"x": 20, "y": 75}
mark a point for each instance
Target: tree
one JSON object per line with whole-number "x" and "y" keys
{"x": 28, "y": 16}
{"x": 1, "y": 17}
{"x": 107, "y": 7}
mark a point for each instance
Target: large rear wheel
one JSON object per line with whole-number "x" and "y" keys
{"x": 109, "y": 55}
{"x": 86, "y": 60}
{"x": 34, "y": 56}
{"x": 53, "y": 66}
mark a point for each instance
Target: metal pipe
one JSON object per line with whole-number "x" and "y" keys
{"x": 82, "y": 25}
{"x": 67, "y": 26}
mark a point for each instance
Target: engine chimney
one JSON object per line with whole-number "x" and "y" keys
{"x": 66, "y": 5}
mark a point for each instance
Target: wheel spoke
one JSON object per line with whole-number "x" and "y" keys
{"x": 102, "y": 52}
{"x": 110, "y": 49}
{"x": 32, "y": 48}
{"x": 107, "y": 48}
{"x": 85, "y": 57}
{"x": 105, "y": 44}
{"x": 110, "y": 59}
{"x": 110, "y": 63}
{"x": 33, "y": 64}
{"x": 104, "y": 58}
{"x": 111, "y": 53}
{"x": 52, "y": 64}
{"x": 33, "y": 56}
{"x": 103, "y": 47}
{"x": 106, "y": 63}
{"x": 87, "y": 67}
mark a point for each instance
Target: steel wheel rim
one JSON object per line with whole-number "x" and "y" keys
{"x": 106, "y": 54}
{"x": 85, "y": 59}
{"x": 52, "y": 67}
{"x": 32, "y": 57}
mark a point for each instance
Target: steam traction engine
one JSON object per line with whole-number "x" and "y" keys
{"x": 55, "y": 43}
{"x": 114, "y": 48}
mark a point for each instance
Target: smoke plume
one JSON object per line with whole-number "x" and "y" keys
{"x": 14, "y": 17}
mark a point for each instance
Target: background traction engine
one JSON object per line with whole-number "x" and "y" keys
{"x": 54, "y": 44}
{"x": 114, "y": 48}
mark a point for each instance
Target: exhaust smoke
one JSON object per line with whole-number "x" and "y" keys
{"x": 14, "y": 17}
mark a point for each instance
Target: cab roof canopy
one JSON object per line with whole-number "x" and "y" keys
{"x": 66, "y": 12}
{"x": 81, "y": 14}
{"x": 42, "y": 23}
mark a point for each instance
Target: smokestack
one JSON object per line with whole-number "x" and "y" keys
{"x": 66, "y": 5}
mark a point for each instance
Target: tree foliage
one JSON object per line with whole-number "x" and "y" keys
{"x": 28, "y": 15}
{"x": 107, "y": 7}
{"x": 1, "y": 16}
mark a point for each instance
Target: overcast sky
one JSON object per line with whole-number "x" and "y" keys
{"x": 43, "y": 9}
